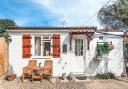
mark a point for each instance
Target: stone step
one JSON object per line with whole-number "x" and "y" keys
{"x": 78, "y": 75}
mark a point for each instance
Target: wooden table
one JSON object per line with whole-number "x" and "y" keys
{"x": 37, "y": 73}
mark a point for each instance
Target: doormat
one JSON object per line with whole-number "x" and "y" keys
{"x": 81, "y": 77}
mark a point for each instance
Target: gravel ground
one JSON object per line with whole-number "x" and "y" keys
{"x": 96, "y": 84}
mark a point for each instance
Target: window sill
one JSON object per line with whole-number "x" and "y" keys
{"x": 79, "y": 55}
{"x": 40, "y": 57}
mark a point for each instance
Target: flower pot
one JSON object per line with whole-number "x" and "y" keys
{"x": 125, "y": 39}
{"x": 98, "y": 57}
{"x": 111, "y": 46}
{"x": 10, "y": 77}
{"x": 126, "y": 63}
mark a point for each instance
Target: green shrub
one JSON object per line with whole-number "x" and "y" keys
{"x": 108, "y": 75}
{"x": 5, "y": 34}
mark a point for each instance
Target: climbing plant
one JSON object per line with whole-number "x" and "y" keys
{"x": 102, "y": 48}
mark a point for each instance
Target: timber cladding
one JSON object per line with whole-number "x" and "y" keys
{"x": 3, "y": 56}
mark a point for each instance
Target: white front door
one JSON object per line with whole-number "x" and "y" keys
{"x": 79, "y": 56}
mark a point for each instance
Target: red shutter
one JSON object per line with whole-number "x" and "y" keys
{"x": 26, "y": 41}
{"x": 56, "y": 45}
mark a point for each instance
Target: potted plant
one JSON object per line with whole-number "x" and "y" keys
{"x": 102, "y": 49}
{"x": 111, "y": 46}
{"x": 125, "y": 39}
{"x": 126, "y": 63}
{"x": 10, "y": 77}
{"x": 10, "y": 74}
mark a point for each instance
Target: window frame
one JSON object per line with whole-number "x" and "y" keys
{"x": 42, "y": 40}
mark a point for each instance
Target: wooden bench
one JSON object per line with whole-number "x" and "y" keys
{"x": 32, "y": 71}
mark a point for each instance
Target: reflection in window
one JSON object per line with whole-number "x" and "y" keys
{"x": 37, "y": 46}
{"x": 46, "y": 48}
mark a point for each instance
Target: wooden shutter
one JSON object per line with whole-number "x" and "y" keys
{"x": 56, "y": 45}
{"x": 26, "y": 41}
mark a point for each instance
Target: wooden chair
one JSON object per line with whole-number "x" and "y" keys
{"x": 48, "y": 68}
{"x": 29, "y": 68}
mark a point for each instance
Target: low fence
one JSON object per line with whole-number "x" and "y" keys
{"x": 3, "y": 56}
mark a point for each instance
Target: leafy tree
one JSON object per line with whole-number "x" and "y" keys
{"x": 5, "y": 23}
{"x": 5, "y": 34}
{"x": 114, "y": 15}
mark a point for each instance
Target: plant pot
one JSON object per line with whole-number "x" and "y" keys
{"x": 111, "y": 47}
{"x": 126, "y": 63}
{"x": 98, "y": 58}
{"x": 125, "y": 39}
{"x": 10, "y": 77}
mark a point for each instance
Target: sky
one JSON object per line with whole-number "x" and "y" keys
{"x": 52, "y": 12}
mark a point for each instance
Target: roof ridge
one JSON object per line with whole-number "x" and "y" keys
{"x": 50, "y": 27}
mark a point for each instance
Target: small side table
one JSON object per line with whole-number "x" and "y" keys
{"x": 37, "y": 73}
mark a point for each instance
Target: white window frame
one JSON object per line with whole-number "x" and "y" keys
{"x": 42, "y": 40}
{"x": 49, "y": 37}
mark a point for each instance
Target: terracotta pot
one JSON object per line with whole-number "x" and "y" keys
{"x": 126, "y": 63}
{"x": 111, "y": 46}
{"x": 11, "y": 77}
{"x": 125, "y": 39}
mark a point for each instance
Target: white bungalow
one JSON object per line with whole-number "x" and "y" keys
{"x": 72, "y": 49}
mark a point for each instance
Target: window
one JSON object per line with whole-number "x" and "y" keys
{"x": 46, "y": 37}
{"x": 64, "y": 48}
{"x": 100, "y": 37}
{"x": 43, "y": 46}
{"x": 78, "y": 47}
{"x": 37, "y": 46}
{"x": 46, "y": 48}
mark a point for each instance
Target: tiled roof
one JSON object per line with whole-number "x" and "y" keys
{"x": 71, "y": 28}
{"x": 82, "y": 31}
{"x": 49, "y": 28}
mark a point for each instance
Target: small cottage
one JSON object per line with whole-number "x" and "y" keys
{"x": 75, "y": 50}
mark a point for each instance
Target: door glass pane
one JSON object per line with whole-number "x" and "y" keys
{"x": 37, "y": 46}
{"x": 79, "y": 47}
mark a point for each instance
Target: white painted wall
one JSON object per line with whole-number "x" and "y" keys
{"x": 115, "y": 56}
{"x": 15, "y": 54}
{"x": 65, "y": 64}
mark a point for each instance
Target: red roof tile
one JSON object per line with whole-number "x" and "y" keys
{"x": 82, "y": 31}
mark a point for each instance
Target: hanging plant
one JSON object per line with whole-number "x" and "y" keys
{"x": 102, "y": 49}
